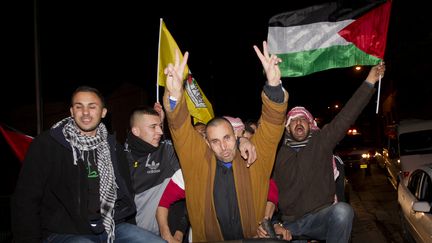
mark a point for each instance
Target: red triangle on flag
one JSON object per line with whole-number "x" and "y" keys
{"x": 369, "y": 32}
{"x": 19, "y": 142}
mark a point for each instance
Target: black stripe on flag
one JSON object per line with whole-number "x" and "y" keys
{"x": 327, "y": 12}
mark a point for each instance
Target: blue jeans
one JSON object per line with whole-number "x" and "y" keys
{"x": 124, "y": 232}
{"x": 333, "y": 224}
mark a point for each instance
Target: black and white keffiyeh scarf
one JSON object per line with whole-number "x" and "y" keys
{"x": 107, "y": 184}
{"x": 290, "y": 142}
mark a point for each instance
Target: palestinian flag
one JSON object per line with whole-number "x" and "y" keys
{"x": 18, "y": 142}
{"x": 328, "y": 36}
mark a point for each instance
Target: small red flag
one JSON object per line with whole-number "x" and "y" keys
{"x": 19, "y": 142}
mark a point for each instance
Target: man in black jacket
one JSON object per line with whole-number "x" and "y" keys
{"x": 152, "y": 162}
{"x": 73, "y": 186}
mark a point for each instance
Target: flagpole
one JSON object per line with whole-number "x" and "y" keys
{"x": 158, "y": 62}
{"x": 39, "y": 111}
{"x": 379, "y": 91}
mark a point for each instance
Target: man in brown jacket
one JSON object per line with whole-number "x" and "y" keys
{"x": 225, "y": 199}
{"x": 304, "y": 171}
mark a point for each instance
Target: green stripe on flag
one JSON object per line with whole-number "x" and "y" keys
{"x": 294, "y": 64}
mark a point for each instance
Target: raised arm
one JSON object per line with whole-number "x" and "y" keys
{"x": 336, "y": 129}
{"x": 189, "y": 145}
{"x": 275, "y": 100}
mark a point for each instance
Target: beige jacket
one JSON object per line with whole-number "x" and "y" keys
{"x": 198, "y": 164}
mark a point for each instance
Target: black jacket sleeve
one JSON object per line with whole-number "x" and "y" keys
{"x": 27, "y": 198}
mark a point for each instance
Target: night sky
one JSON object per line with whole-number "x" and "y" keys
{"x": 109, "y": 44}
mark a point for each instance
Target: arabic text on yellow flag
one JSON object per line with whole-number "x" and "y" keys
{"x": 198, "y": 105}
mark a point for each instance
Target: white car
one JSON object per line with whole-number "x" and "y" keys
{"x": 408, "y": 146}
{"x": 415, "y": 145}
{"x": 415, "y": 201}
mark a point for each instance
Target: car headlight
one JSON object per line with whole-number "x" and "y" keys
{"x": 365, "y": 156}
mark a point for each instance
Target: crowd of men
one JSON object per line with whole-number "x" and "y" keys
{"x": 212, "y": 182}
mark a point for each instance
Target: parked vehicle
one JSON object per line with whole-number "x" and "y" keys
{"x": 408, "y": 146}
{"x": 415, "y": 145}
{"x": 415, "y": 200}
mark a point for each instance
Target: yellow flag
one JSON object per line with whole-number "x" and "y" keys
{"x": 167, "y": 49}
{"x": 198, "y": 105}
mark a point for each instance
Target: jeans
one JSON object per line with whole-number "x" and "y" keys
{"x": 124, "y": 232}
{"x": 333, "y": 224}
